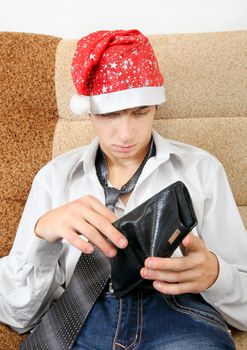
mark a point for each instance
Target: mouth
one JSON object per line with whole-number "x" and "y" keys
{"x": 124, "y": 149}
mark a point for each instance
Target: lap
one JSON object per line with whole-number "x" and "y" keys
{"x": 144, "y": 321}
{"x": 184, "y": 322}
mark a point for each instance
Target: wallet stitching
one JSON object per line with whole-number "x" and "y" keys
{"x": 173, "y": 188}
{"x": 163, "y": 193}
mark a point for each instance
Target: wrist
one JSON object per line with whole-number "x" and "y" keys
{"x": 214, "y": 268}
{"x": 41, "y": 232}
{"x": 36, "y": 230}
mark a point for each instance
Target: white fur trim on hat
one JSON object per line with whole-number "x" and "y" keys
{"x": 124, "y": 99}
{"x": 80, "y": 104}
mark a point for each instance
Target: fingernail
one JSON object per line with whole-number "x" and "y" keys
{"x": 122, "y": 243}
{"x": 156, "y": 284}
{"x": 111, "y": 253}
{"x": 145, "y": 272}
{"x": 149, "y": 263}
{"x": 89, "y": 249}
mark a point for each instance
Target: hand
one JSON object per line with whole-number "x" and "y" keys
{"x": 86, "y": 216}
{"x": 196, "y": 271}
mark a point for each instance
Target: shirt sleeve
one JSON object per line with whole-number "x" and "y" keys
{"x": 224, "y": 234}
{"x": 31, "y": 275}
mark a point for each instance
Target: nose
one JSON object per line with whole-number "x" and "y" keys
{"x": 125, "y": 129}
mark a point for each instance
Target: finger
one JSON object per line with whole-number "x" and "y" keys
{"x": 191, "y": 243}
{"x": 79, "y": 243}
{"x": 171, "y": 264}
{"x": 187, "y": 240}
{"x": 185, "y": 243}
{"x": 174, "y": 288}
{"x": 102, "y": 226}
{"x": 168, "y": 276}
{"x": 95, "y": 237}
{"x": 98, "y": 207}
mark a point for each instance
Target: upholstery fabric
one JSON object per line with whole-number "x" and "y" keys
{"x": 206, "y": 88}
{"x": 28, "y": 116}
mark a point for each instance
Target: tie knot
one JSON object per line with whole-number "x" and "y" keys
{"x": 112, "y": 195}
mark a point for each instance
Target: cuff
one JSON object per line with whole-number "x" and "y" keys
{"x": 223, "y": 285}
{"x": 42, "y": 253}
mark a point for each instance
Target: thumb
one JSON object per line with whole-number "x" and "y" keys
{"x": 190, "y": 243}
{"x": 187, "y": 241}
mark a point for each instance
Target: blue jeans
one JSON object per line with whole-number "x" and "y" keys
{"x": 145, "y": 320}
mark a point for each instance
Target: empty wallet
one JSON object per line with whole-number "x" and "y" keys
{"x": 154, "y": 228}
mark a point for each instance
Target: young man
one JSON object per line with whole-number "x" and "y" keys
{"x": 75, "y": 199}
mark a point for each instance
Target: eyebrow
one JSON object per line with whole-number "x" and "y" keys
{"x": 134, "y": 110}
{"x": 137, "y": 108}
{"x": 142, "y": 107}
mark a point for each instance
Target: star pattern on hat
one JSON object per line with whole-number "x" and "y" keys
{"x": 92, "y": 56}
{"x": 112, "y": 61}
{"x": 113, "y": 65}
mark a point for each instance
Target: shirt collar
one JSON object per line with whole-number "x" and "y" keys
{"x": 164, "y": 149}
{"x": 86, "y": 160}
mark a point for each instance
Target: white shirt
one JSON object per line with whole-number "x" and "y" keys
{"x": 35, "y": 271}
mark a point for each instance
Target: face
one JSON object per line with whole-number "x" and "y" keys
{"x": 125, "y": 135}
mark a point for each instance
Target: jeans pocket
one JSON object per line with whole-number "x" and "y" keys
{"x": 196, "y": 307}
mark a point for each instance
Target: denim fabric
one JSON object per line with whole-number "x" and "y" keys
{"x": 144, "y": 320}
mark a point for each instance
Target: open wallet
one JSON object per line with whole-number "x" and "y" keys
{"x": 154, "y": 228}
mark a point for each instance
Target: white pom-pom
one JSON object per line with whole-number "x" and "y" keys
{"x": 79, "y": 104}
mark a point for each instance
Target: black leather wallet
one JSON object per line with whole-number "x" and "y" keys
{"x": 154, "y": 228}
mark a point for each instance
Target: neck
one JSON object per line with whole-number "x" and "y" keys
{"x": 118, "y": 178}
{"x": 124, "y": 163}
{"x": 119, "y": 171}
{"x": 119, "y": 175}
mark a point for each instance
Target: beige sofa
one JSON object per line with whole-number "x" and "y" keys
{"x": 206, "y": 85}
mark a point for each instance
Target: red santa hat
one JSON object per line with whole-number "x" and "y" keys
{"x": 115, "y": 70}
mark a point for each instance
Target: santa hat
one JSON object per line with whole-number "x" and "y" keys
{"x": 115, "y": 70}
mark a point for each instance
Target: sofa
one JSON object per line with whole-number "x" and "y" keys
{"x": 206, "y": 88}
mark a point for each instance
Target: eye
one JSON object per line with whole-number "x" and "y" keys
{"x": 109, "y": 115}
{"x": 141, "y": 112}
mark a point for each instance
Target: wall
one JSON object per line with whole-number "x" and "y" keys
{"x": 74, "y": 18}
